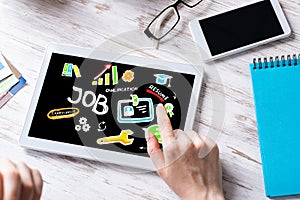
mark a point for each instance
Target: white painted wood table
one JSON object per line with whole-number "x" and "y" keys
{"x": 28, "y": 26}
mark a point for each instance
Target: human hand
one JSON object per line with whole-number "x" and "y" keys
{"x": 18, "y": 181}
{"x": 189, "y": 163}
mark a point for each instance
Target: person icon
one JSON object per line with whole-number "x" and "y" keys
{"x": 128, "y": 111}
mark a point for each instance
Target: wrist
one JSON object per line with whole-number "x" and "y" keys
{"x": 216, "y": 196}
{"x": 204, "y": 195}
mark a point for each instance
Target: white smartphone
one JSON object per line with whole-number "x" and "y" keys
{"x": 240, "y": 29}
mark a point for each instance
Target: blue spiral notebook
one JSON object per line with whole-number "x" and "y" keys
{"x": 276, "y": 88}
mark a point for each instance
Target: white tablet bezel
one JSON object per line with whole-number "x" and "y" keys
{"x": 199, "y": 37}
{"x": 88, "y": 152}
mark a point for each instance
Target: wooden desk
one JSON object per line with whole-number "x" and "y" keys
{"x": 28, "y": 26}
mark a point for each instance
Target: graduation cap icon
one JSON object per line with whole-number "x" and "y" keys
{"x": 162, "y": 79}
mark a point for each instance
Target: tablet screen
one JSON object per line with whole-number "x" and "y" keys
{"x": 107, "y": 105}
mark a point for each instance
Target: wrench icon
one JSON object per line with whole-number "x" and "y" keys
{"x": 122, "y": 138}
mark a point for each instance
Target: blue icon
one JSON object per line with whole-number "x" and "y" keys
{"x": 69, "y": 71}
{"x": 162, "y": 79}
{"x": 128, "y": 113}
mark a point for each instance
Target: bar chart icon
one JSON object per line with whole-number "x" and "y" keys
{"x": 109, "y": 78}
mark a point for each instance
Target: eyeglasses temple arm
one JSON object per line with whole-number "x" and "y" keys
{"x": 158, "y": 23}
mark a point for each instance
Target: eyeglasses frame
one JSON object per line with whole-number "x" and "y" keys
{"x": 174, "y": 5}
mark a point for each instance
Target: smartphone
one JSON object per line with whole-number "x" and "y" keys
{"x": 239, "y": 29}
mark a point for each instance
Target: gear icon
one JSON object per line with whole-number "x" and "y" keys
{"x": 82, "y": 120}
{"x": 77, "y": 127}
{"x": 128, "y": 76}
{"x": 86, "y": 127}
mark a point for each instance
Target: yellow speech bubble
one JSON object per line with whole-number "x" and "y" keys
{"x": 61, "y": 113}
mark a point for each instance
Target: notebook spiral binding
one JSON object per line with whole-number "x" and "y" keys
{"x": 282, "y": 62}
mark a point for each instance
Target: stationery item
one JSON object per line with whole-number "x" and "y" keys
{"x": 5, "y": 71}
{"x": 13, "y": 69}
{"x": 1, "y": 66}
{"x": 7, "y": 83}
{"x": 11, "y": 80}
{"x": 12, "y": 92}
{"x": 277, "y": 101}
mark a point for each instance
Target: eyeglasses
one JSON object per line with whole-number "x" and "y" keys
{"x": 167, "y": 19}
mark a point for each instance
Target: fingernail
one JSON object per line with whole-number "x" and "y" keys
{"x": 160, "y": 105}
{"x": 159, "y": 110}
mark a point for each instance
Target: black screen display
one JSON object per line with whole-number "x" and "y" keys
{"x": 241, "y": 27}
{"x": 107, "y": 105}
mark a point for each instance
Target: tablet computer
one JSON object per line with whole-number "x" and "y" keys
{"x": 96, "y": 105}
